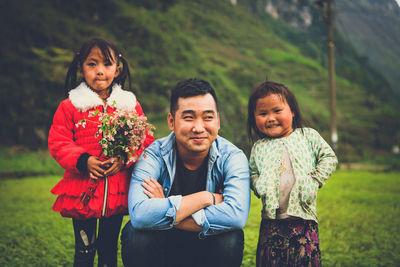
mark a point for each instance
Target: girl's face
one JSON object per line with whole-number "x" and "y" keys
{"x": 273, "y": 116}
{"x": 98, "y": 72}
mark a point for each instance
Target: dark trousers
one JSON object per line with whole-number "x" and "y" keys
{"x": 177, "y": 248}
{"x": 106, "y": 243}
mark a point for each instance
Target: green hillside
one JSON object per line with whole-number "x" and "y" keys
{"x": 365, "y": 25}
{"x": 166, "y": 41}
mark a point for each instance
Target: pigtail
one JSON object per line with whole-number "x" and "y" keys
{"x": 251, "y": 122}
{"x": 70, "y": 79}
{"x": 124, "y": 73}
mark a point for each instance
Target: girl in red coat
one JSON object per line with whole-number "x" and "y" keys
{"x": 103, "y": 182}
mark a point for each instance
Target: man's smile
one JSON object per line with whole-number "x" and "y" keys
{"x": 198, "y": 138}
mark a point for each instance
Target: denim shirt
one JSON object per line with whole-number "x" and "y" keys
{"x": 228, "y": 174}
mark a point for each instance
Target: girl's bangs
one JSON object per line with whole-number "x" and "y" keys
{"x": 108, "y": 55}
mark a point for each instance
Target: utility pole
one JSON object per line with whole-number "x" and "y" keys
{"x": 327, "y": 13}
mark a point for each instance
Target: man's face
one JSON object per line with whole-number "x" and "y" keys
{"x": 195, "y": 124}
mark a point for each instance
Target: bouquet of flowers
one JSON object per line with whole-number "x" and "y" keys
{"x": 123, "y": 133}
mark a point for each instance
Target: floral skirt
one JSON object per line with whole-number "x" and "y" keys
{"x": 288, "y": 243}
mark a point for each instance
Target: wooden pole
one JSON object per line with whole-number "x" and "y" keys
{"x": 332, "y": 84}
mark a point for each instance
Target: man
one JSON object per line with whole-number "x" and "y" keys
{"x": 189, "y": 196}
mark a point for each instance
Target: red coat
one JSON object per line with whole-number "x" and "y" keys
{"x": 67, "y": 143}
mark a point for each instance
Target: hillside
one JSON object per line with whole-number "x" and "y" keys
{"x": 366, "y": 37}
{"x": 166, "y": 41}
{"x": 374, "y": 28}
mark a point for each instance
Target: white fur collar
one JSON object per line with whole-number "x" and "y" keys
{"x": 83, "y": 98}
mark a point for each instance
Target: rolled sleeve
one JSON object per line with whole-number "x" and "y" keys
{"x": 201, "y": 220}
{"x": 145, "y": 212}
{"x": 233, "y": 212}
{"x": 175, "y": 203}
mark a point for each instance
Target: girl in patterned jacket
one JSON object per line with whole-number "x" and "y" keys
{"x": 288, "y": 164}
{"x": 78, "y": 151}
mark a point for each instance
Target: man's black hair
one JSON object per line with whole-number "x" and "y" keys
{"x": 188, "y": 88}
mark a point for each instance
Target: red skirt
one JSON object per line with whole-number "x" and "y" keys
{"x": 71, "y": 187}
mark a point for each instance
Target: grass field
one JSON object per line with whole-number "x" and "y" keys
{"x": 359, "y": 218}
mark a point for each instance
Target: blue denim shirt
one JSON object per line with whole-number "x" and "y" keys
{"x": 228, "y": 173}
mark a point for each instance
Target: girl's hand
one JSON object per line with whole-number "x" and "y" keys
{"x": 152, "y": 188}
{"x": 94, "y": 167}
{"x": 112, "y": 166}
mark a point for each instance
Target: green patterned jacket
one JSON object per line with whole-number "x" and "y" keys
{"x": 313, "y": 161}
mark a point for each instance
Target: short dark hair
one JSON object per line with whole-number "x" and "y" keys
{"x": 188, "y": 88}
{"x": 262, "y": 90}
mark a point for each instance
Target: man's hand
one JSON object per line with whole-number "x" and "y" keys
{"x": 152, "y": 188}
{"x": 188, "y": 224}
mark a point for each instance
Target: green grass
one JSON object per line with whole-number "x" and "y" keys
{"x": 20, "y": 162}
{"x": 359, "y": 220}
{"x": 359, "y": 215}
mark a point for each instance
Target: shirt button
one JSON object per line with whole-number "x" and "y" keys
{"x": 165, "y": 189}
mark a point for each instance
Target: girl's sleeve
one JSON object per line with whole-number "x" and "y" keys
{"x": 325, "y": 158}
{"x": 61, "y": 138}
{"x": 254, "y": 173}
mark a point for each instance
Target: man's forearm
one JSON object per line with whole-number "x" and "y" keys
{"x": 188, "y": 224}
{"x": 192, "y": 203}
